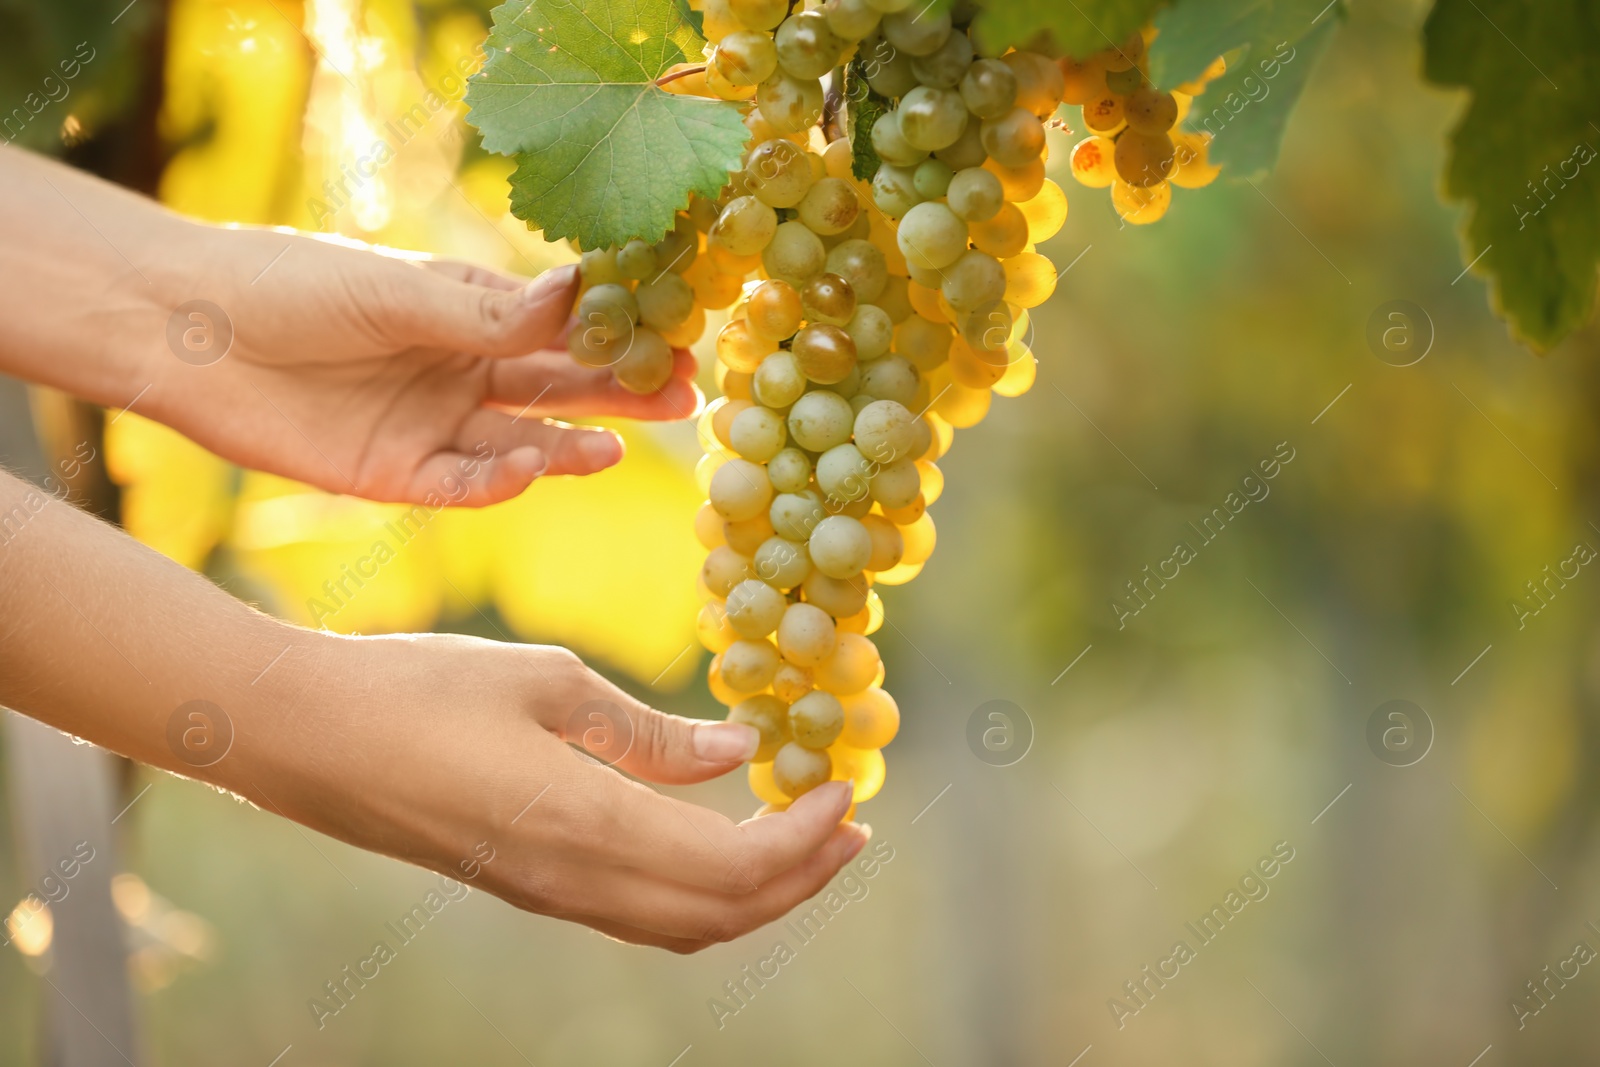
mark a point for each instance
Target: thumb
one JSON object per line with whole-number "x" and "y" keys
{"x": 436, "y": 310}
{"x": 649, "y": 744}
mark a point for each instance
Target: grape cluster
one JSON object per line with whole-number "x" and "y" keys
{"x": 866, "y": 321}
{"x": 1134, "y": 144}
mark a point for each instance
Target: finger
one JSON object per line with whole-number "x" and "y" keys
{"x": 662, "y": 906}
{"x": 632, "y": 935}
{"x": 472, "y": 274}
{"x": 569, "y": 449}
{"x": 444, "y": 478}
{"x": 552, "y": 383}
{"x": 427, "y": 307}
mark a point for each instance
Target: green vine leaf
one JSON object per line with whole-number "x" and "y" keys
{"x": 1271, "y": 47}
{"x": 1523, "y": 155}
{"x": 1076, "y": 28}
{"x": 603, "y": 153}
{"x": 863, "y": 108}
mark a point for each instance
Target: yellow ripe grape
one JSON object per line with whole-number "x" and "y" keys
{"x": 773, "y": 309}
{"x": 1140, "y": 206}
{"x": 924, "y": 301}
{"x": 971, "y": 370}
{"x": 1002, "y": 236}
{"x": 723, "y": 89}
{"x": 920, "y": 538}
{"x": 1030, "y": 279}
{"x": 706, "y": 468}
{"x": 1020, "y": 373}
{"x": 722, "y": 420}
{"x": 747, "y": 535}
{"x": 838, "y": 159}
{"x": 907, "y": 515}
{"x": 851, "y": 667}
{"x": 763, "y": 785}
{"x": 791, "y": 682}
{"x": 1103, "y": 115}
{"x": 1018, "y": 183}
{"x": 712, "y": 628}
{"x": 932, "y": 483}
{"x": 735, "y": 385}
{"x": 944, "y": 435}
{"x": 721, "y": 691}
{"x": 742, "y": 348}
{"x": 1082, "y": 82}
{"x": 946, "y": 312}
{"x": 1143, "y": 158}
{"x": 874, "y": 617}
{"x": 730, "y": 263}
{"x": 1192, "y": 156}
{"x": 1149, "y": 110}
{"x": 899, "y": 574}
{"x": 1046, "y": 212}
{"x": 713, "y": 287}
{"x": 882, "y": 236}
{"x": 871, "y": 720}
{"x": 962, "y": 407}
{"x": 1093, "y": 162}
{"x": 925, "y": 342}
{"x": 688, "y": 331}
{"x": 864, "y": 766}
{"x": 718, "y": 19}
{"x": 708, "y": 527}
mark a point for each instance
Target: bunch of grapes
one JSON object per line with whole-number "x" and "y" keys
{"x": 1134, "y": 145}
{"x": 866, "y": 321}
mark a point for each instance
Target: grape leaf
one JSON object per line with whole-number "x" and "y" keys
{"x": 864, "y": 108}
{"x": 1523, "y": 154}
{"x": 1072, "y": 27}
{"x": 603, "y": 154}
{"x": 1271, "y": 47}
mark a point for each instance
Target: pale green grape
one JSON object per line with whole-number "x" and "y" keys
{"x": 819, "y": 420}
{"x": 740, "y": 489}
{"x": 770, "y": 718}
{"x": 851, "y": 20}
{"x": 931, "y": 235}
{"x": 990, "y": 88}
{"x": 917, "y": 31}
{"x": 861, "y": 263}
{"x": 645, "y": 364}
{"x": 840, "y": 546}
{"x": 608, "y": 311}
{"x": 746, "y": 57}
{"x": 888, "y": 69}
{"x": 724, "y": 568}
{"x": 760, "y": 14}
{"x": 790, "y": 104}
{"x": 744, "y": 227}
{"x": 789, "y": 471}
{"x": 778, "y": 381}
{"x": 666, "y": 302}
{"x": 975, "y": 194}
{"x": 967, "y": 151}
{"x": 943, "y": 68}
{"x": 896, "y": 484}
{"x": 636, "y": 260}
{"x": 678, "y": 250}
{"x": 778, "y": 173}
{"x": 894, "y": 189}
{"x": 1014, "y": 139}
{"x": 987, "y": 328}
{"x": 797, "y": 770}
{"x": 890, "y": 378}
{"x": 842, "y": 473}
{"x": 806, "y": 45}
{"x": 889, "y": 141}
{"x": 794, "y": 514}
{"x": 794, "y": 254}
{"x": 924, "y": 342}
{"x": 599, "y": 266}
{"x": 806, "y": 634}
{"x": 888, "y": 6}
{"x": 872, "y": 330}
{"x": 781, "y": 563}
{"x": 755, "y": 608}
{"x": 831, "y": 206}
{"x": 758, "y": 433}
{"x": 748, "y": 666}
{"x": 931, "y": 119}
{"x": 816, "y": 720}
{"x": 884, "y": 431}
{"x": 973, "y": 280}
{"x": 932, "y": 179}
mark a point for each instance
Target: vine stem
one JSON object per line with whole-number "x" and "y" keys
{"x": 675, "y": 75}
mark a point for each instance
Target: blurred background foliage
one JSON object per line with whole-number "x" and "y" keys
{"x": 1171, "y": 756}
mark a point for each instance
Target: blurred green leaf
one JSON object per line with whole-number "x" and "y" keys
{"x": 1075, "y": 27}
{"x": 603, "y": 154}
{"x": 60, "y": 59}
{"x": 1522, "y": 154}
{"x": 864, "y": 108}
{"x": 1271, "y": 47}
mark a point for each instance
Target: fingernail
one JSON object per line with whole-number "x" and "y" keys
{"x": 551, "y": 281}
{"x": 858, "y": 842}
{"x": 600, "y": 448}
{"x": 725, "y": 742}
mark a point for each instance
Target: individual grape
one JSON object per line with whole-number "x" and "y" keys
{"x": 850, "y": 20}
{"x": 932, "y": 236}
{"x": 1039, "y": 82}
{"x": 781, "y": 562}
{"x": 839, "y": 597}
{"x": 645, "y": 364}
{"x": 794, "y": 514}
{"x": 888, "y": 378}
{"x": 734, "y": 384}
{"x": 907, "y": 515}
{"x": 974, "y": 279}
{"x": 708, "y": 527}
{"x": 890, "y": 143}
{"x": 1149, "y": 110}
{"x": 932, "y": 478}
{"x": 688, "y": 331}
{"x": 895, "y": 484}
{"x": 1103, "y": 115}
{"x": 930, "y": 119}
{"x": 748, "y": 666}
{"x": 765, "y": 787}
{"x": 1092, "y": 162}
{"x": 599, "y": 267}
{"x": 887, "y": 544}
{"x": 758, "y": 434}
{"x": 839, "y": 158}
{"x": 723, "y": 569}
{"x": 754, "y": 608}
{"x": 842, "y": 473}
{"x": 931, "y": 179}
{"x": 889, "y": 6}
{"x": 944, "y": 67}
{"x": 790, "y": 104}
{"x": 777, "y": 173}
{"x": 888, "y": 70}
{"x": 1019, "y": 183}
{"x": 989, "y": 88}
{"x": 719, "y": 20}
{"x": 830, "y": 206}
{"x": 916, "y": 32}
{"x": 1004, "y": 235}
{"x": 862, "y": 265}
{"x": 722, "y": 413}
{"x": 722, "y": 88}
{"x": 1045, "y": 212}
{"x": 825, "y": 353}
{"x": 807, "y": 47}
{"x": 884, "y": 431}
{"x": 795, "y": 254}
{"x": 798, "y": 770}
{"x": 746, "y": 57}
{"x": 1020, "y": 374}
{"x": 744, "y": 227}
{"x": 1082, "y": 82}
{"x": 1141, "y": 205}
{"x": 920, "y": 535}
{"x": 1013, "y": 139}
{"x": 678, "y": 248}
{"x": 828, "y": 298}
{"x": 987, "y": 329}
{"x": 636, "y": 260}
{"x": 741, "y": 348}
{"x": 871, "y": 719}
{"x": 770, "y": 718}
{"x": 853, "y": 509}
{"x": 711, "y": 626}
{"x": 866, "y": 769}
{"x": 1192, "y": 157}
{"x": 759, "y": 14}
{"x": 850, "y": 670}
{"x": 894, "y": 190}
{"x": 609, "y": 310}
{"x": 923, "y": 341}
{"x": 967, "y": 150}
{"x": 791, "y": 682}
{"x": 974, "y": 370}
{"x": 816, "y": 719}
{"x": 1143, "y": 159}
{"x": 1124, "y": 82}
{"x": 740, "y": 490}
{"x": 789, "y": 471}
{"x": 961, "y": 407}
{"x": 1029, "y": 279}
{"x": 975, "y": 194}
{"x": 806, "y": 634}
{"x": 665, "y": 302}
{"x": 892, "y": 299}
{"x": 747, "y": 535}
{"x": 840, "y": 546}
{"x": 872, "y": 330}
{"x": 778, "y": 381}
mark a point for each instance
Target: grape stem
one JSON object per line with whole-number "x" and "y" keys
{"x": 675, "y": 75}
